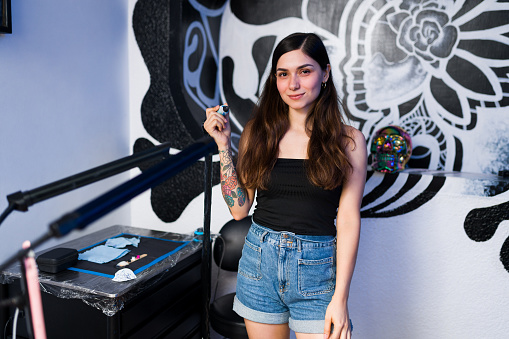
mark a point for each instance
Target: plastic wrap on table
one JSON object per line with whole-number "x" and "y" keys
{"x": 100, "y": 292}
{"x": 7, "y": 279}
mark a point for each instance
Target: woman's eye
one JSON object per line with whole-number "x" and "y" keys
{"x": 305, "y": 71}
{"x": 281, "y": 74}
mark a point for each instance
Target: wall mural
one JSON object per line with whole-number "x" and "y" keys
{"x": 439, "y": 69}
{"x": 168, "y": 113}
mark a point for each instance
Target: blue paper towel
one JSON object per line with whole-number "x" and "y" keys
{"x": 121, "y": 242}
{"x": 102, "y": 254}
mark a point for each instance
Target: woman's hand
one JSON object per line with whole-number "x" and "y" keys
{"x": 218, "y": 126}
{"x": 337, "y": 315}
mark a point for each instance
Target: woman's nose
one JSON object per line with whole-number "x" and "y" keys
{"x": 294, "y": 83}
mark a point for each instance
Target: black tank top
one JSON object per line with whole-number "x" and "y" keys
{"x": 292, "y": 203}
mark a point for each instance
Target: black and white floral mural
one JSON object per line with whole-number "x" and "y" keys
{"x": 429, "y": 66}
{"x": 439, "y": 69}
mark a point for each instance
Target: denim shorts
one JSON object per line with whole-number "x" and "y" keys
{"x": 286, "y": 278}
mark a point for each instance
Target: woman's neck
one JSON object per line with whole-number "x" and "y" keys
{"x": 294, "y": 143}
{"x": 297, "y": 120}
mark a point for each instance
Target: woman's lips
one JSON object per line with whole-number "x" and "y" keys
{"x": 295, "y": 96}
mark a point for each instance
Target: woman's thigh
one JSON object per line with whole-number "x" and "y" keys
{"x": 309, "y": 335}
{"x": 265, "y": 331}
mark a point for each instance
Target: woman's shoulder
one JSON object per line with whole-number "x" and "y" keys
{"x": 355, "y": 135}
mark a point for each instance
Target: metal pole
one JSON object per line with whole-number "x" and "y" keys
{"x": 206, "y": 249}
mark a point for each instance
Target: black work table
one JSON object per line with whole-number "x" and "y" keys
{"x": 162, "y": 302}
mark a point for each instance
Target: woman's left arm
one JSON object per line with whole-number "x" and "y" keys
{"x": 348, "y": 224}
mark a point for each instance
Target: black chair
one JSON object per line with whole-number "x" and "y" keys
{"x": 227, "y": 252}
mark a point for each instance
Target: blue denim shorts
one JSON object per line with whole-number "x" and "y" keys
{"x": 286, "y": 278}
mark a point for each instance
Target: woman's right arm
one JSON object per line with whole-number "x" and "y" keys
{"x": 238, "y": 199}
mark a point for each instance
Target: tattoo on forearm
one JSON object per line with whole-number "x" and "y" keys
{"x": 229, "y": 182}
{"x": 241, "y": 196}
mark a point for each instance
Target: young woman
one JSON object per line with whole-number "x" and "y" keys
{"x": 308, "y": 170}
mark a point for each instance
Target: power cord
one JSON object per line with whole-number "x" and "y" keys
{"x": 5, "y": 327}
{"x": 15, "y": 323}
{"x": 220, "y": 263}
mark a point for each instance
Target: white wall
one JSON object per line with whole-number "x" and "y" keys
{"x": 64, "y": 107}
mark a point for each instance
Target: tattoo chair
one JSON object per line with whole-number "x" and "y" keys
{"x": 227, "y": 252}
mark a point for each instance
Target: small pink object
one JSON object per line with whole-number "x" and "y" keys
{"x": 34, "y": 294}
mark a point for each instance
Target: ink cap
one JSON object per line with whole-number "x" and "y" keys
{"x": 223, "y": 109}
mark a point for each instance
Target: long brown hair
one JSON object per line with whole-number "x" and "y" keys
{"x": 327, "y": 164}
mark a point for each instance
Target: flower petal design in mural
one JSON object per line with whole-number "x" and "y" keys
{"x": 427, "y": 33}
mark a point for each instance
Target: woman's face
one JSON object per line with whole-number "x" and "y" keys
{"x": 299, "y": 80}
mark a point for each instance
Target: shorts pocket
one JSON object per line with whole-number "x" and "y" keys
{"x": 316, "y": 276}
{"x": 251, "y": 260}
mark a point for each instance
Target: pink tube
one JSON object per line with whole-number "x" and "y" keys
{"x": 34, "y": 294}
